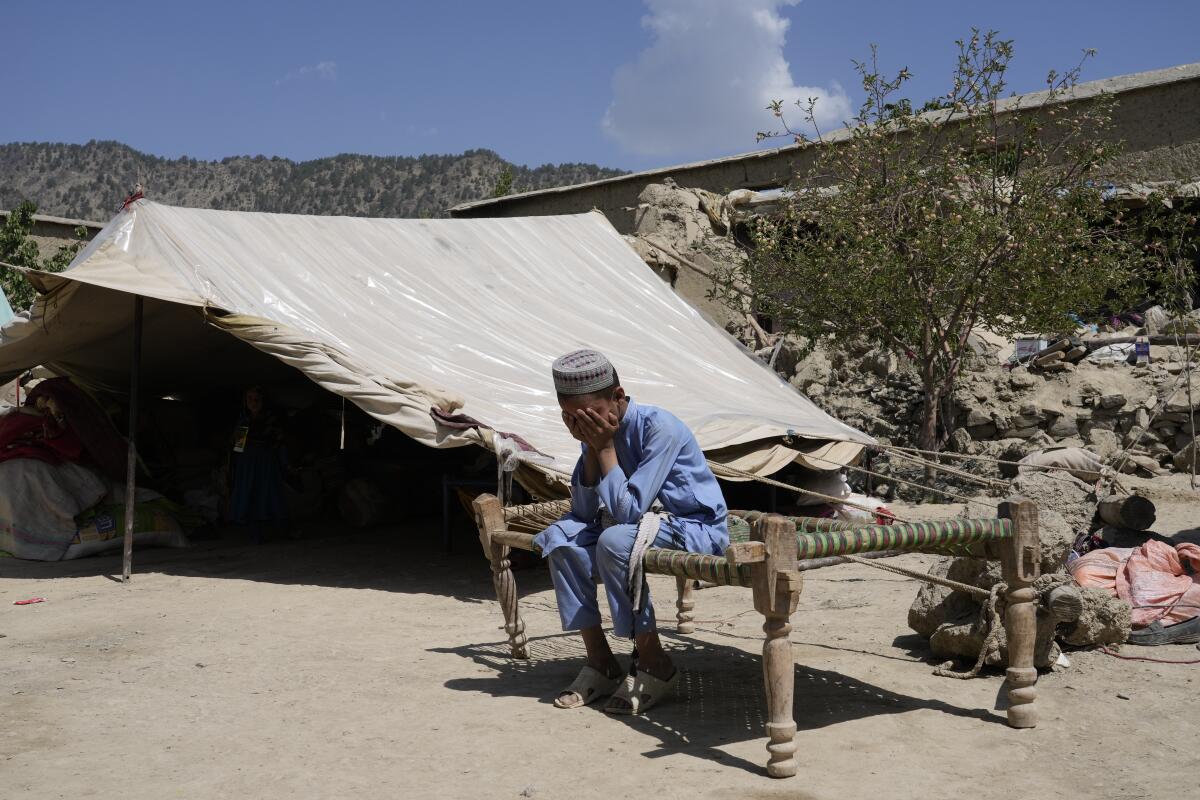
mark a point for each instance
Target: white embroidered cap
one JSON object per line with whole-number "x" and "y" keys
{"x": 582, "y": 372}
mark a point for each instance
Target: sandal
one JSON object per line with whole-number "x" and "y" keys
{"x": 641, "y": 692}
{"x": 589, "y": 686}
{"x": 1156, "y": 633}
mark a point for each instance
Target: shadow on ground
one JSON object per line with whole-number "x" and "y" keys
{"x": 408, "y": 559}
{"x": 719, "y": 700}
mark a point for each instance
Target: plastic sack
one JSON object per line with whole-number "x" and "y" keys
{"x": 878, "y": 515}
{"x": 104, "y": 531}
{"x": 1083, "y": 464}
{"x": 832, "y": 484}
{"x": 1111, "y": 353}
{"x": 1159, "y": 581}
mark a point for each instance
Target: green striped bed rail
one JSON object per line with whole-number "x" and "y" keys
{"x": 935, "y": 536}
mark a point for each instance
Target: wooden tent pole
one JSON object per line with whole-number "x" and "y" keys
{"x": 131, "y": 465}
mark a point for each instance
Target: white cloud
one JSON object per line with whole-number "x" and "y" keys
{"x": 704, "y": 83}
{"x": 322, "y": 70}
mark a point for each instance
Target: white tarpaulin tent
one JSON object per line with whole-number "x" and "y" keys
{"x": 400, "y": 316}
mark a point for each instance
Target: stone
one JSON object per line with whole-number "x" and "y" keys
{"x": 1163, "y": 453}
{"x": 1012, "y": 452}
{"x": 1040, "y": 439}
{"x": 1112, "y": 401}
{"x": 1075, "y": 354}
{"x": 1144, "y": 466}
{"x": 952, "y": 621}
{"x": 961, "y": 442}
{"x": 1058, "y": 367}
{"x": 982, "y": 432}
{"x": 1185, "y": 456}
{"x": 1178, "y": 403}
{"x": 1104, "y": 620}
{"x": 1023, "y": 379}
{"x": 1156, "y": 319}
{"x": 816, "y": 368}
{"x": 882, "y": 364}
{"x": 1068, "y": 498}
{"x": 977, "y": 417}
{"x": 1104, "y": 443}
{"x": 1063, "y": 426}
{"x": 935, "y": 604}
{"x": 1056, "y": 536}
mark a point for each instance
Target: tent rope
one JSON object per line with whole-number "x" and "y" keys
{"x": 974, "y": 591}
{"x": 988, "y": 614}
{"x": 719, "y": 468}
{"x": 988, "y": 459}
{"x": 969, "y": 476}
{"x": 991, "y": 618}
{"x": 864, "y": 470}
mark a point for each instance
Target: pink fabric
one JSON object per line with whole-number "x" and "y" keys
{"x": 1158, "y": 580}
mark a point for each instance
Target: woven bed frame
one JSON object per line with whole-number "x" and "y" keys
{"x": 765, "y": 555}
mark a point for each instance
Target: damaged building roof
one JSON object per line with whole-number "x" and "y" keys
{"x": 1157, "y": 117}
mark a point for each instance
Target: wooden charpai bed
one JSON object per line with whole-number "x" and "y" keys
{"x": 766, "y": 555}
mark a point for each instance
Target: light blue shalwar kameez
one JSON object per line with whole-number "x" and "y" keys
{"x": 658, "y": 459}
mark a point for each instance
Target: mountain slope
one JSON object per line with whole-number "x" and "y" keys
{"x": 89, "y": 181}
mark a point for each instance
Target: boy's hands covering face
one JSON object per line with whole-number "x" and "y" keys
{"x": 568, "y": 418}
{"x": 594, "y": 428}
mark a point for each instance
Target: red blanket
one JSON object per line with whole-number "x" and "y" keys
{"x": 24, "y": 435}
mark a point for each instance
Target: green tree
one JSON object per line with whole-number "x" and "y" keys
{"x": 912, "y": 229}
{"x": 17, "y": 249}
{"x": 504, "y": 183}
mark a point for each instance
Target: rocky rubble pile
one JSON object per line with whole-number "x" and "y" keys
{"x": 997, "y": 411}
{"x": 1007, "y": 412}
{"x": 953, "y": 622}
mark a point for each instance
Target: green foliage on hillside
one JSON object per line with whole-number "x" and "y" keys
{"x": 89, "y": 181}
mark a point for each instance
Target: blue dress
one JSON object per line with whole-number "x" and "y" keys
{"x": 258, "y": 472}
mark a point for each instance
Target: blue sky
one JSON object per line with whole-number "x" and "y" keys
{"x": 630, "y": 84}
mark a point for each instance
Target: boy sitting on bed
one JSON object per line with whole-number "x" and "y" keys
{"x": 632, "y": 455}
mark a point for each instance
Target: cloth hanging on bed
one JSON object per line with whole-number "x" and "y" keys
{"x": 104, "y": 446}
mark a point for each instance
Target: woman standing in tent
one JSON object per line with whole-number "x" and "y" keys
{"x": 257, "y": 468}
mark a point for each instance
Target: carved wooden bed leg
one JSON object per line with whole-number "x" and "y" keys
{"x": 1020, "y": 561}
{"x": 685, "y": 604}
{"x": 776, "y": 586}
{"x": 489, "y": 516}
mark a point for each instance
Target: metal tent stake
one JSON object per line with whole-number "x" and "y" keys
{"x": 131, "y": 466}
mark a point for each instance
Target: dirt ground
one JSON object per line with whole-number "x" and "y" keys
{"x": 372, "y": 665}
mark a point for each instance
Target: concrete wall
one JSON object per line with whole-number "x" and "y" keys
{"x": 51, "y": 233}
{"x": 1157, "y": 117}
